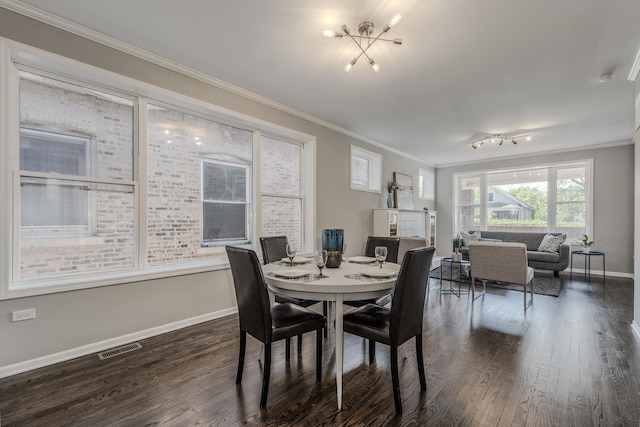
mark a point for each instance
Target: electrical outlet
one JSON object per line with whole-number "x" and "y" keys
{"x": 27, "y": 314}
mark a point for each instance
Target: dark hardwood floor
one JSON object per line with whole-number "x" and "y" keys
{"x": 570, "y": 361}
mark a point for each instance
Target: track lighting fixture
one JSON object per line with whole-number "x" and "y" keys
{"x": 365, "y": 40}
{"x": 499, "y": 139}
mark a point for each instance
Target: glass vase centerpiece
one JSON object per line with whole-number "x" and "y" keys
{"x": 333, "y": 243}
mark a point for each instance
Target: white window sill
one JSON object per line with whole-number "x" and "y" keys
{"x": 55, "y": 242}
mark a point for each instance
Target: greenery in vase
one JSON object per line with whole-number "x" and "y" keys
{"x": 585, "y": 242}
{"x": 391, "y": 186}
{"x": 457, "y": 243}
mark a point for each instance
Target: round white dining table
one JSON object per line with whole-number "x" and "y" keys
{"x": 337, "y": 287}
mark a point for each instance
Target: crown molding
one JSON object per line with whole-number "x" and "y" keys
{"x": 98, "y": 37}
{"x": 635, "y": 68}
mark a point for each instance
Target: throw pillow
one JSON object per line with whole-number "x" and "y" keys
{"x": 551, "y": 243}
{"x": 469, "y": 237}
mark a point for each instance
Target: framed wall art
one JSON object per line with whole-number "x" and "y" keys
{"x": 404, "y": 192}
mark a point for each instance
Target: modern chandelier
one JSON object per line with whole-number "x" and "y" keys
{"x": 499, "y": 139}
{"x": 365, "y": 40}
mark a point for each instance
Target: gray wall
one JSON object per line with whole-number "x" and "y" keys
{"x": 70, "y": 320}
{"x": 613, "y": 200}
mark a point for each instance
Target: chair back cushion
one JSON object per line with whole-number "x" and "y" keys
{"x": 254, "y": 308}
{"x": 499, "y": 262}
{"x": 392, "y": 244}
{"x": 273, "y": 248}
{"x": 407, "y": 304}
{"x": 408, "y": 243}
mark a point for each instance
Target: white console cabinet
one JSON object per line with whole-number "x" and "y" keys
{"x": 405, "y": 223}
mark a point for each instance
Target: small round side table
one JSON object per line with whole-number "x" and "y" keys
{"x": 587, "y": 264}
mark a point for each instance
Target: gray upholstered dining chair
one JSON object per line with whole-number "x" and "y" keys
{"x": 504, "y": 262}
{"x": 402, "y": 321}
{"x": 264, "y": 322}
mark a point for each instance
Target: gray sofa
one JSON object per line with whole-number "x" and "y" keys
{"x": 555, "y": 262}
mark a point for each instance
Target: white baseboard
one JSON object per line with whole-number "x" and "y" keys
{"x": 50, "y": 359}
{"x": 580, "y": 273}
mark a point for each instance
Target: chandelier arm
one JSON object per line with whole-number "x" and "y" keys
{"x": 374, "y": 38}
{"x": 363, "y": 51}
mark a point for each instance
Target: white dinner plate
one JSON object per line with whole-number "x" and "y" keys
{"x": 362, "y": 259}
{"x": 291, "y": 274}
{"x": 297, "y": 260}
{"x": 378, "y": 272}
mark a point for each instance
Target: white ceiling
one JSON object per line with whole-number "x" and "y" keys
{"x": 466, "y": 68}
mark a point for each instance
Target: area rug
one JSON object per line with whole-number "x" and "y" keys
{"x": 543, "y": 281}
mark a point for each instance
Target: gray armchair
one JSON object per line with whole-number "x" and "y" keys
{"x": 500, "y": 262}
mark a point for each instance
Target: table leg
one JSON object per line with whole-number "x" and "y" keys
{"x": 329, "y": 309}
{"x": 339, "y": 348}
{"x": 571, "y": 267}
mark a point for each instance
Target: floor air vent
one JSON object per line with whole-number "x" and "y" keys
{"x": 120, "y": 350}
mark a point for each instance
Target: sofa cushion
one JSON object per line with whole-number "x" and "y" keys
{"x": 486, "y": 239}
{"x": 543, "y": 256}
{"x": 469, "y": 237}
{"x": 551, "y": 243}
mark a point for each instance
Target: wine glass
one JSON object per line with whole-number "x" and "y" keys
{"x": 381, "y": 254}
{"x": 320, "y": 258}
{"x": 292, "y": 250}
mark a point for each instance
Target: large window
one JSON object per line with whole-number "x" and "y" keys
{"x": 109, "y": 181}
{"x": 551, "y": 198}
{"x": 77, "y": 202}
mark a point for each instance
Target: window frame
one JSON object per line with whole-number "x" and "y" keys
{"x": 426, "y": 185}
{"x": 374, "y": 160}
{"x": 247, "y": 203}
{"x": 552, "y": 184}
{"x": 15, "y": 56}
{"x": 304, "y": 161}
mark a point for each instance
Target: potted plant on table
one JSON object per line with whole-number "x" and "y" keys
{"x": 587, "y": 244}
{"x": 457, "y": 243}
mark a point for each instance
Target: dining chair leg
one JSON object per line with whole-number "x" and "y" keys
{"x": 243, "y": 345}
{"x": 287, "y": 351}
{"x": 300, "y": 344}
{"x": 395, "y": 380}
{"x": 372, "y": 351}
{"x": 420, "y": 357}
{"x": 318, "y": 355}
{"x": 265, "y": 375}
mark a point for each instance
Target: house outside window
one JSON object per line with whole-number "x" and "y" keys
{"x": 77, "y": 202}
{"x": 225, "y": 203}
{"x": 63, "y": 209}
{"x": 281, "y": 189}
